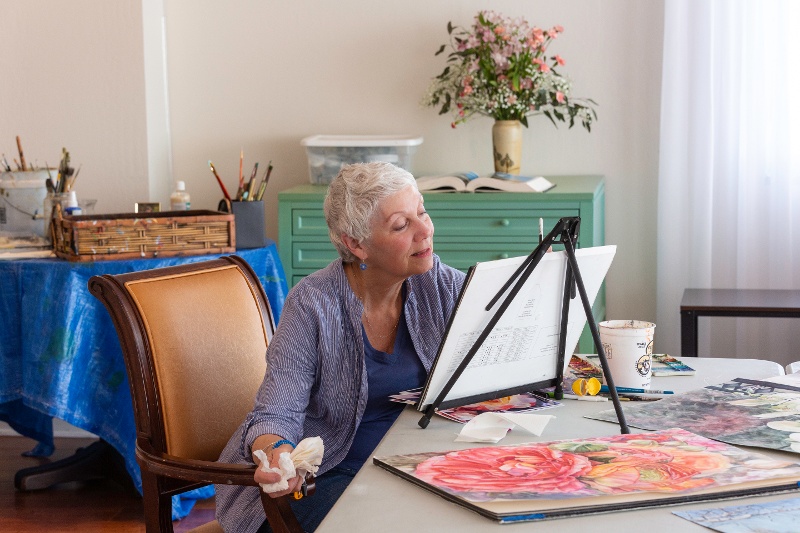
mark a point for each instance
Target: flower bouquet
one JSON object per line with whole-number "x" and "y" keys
{"x": 500, "y": 68}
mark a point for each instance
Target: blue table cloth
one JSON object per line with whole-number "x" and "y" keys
{"x": 59, "y": 351}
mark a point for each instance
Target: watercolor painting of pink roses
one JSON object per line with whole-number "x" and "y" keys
{"x": 553, "y": 475}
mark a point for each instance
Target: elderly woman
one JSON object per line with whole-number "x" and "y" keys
{"x": 366, "y": 326}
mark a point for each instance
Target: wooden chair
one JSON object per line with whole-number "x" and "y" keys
{"x": 194, "y": 338}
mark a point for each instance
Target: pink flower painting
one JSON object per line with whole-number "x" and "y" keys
{"x": 668, "y": 462}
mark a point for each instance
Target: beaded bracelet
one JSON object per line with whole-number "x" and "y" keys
{"x": 282, "y": 442}
{"x": 269, "y": 448}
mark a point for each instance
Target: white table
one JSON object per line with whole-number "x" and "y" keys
{"x": 377, "y": 500}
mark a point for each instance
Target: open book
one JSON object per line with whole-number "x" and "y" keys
{"x": 471, "y": 182}
{"x": 558, "y": 479}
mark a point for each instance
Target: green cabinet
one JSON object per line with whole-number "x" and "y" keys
{"x": 469, "y": 227}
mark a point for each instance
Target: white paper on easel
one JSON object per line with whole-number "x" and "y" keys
{"x": 523, "y": 346}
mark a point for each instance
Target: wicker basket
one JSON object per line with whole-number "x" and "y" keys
{"x": 138, "y": 235}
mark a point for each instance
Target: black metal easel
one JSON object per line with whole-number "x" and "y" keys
{"x": 565, "y": 233}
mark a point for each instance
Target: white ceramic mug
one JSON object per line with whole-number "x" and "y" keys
{"x": 629, "y": 346}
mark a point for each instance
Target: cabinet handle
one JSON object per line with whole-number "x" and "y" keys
{"x": 504, "y": 222}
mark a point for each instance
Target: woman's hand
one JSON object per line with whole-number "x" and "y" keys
{"x": 260, "y": 476}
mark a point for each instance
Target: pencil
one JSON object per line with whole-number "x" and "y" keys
{"x": 585, "y": 398}
{"x": 219, "y": 180}
{"x": 23, "y": 166}
{"x": 633, "y": 390}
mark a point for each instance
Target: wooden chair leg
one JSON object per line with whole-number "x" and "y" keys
{"x": 157, "y": 507}
{"x": 279, "y": 514}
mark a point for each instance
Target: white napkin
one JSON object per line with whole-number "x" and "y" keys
{"x": 306, "y": 457}
{"x": 492, "y": 427}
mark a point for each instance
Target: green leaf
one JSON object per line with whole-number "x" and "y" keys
{"x": 440, "y": 50}
{"x": 446, "y": 105}
{"x": 548, "y": 115}
{"x": 449, "y": 27}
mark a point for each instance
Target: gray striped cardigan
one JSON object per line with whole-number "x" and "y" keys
{"x": 316, "y": 379}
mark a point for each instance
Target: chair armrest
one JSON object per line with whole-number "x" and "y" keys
{"x": 195, "y": 470}
{"x": 205, "y": 471}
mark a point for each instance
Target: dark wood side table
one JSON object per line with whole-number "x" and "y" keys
{"x": 732, "y": 302}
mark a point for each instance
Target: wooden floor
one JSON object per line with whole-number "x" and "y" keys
{"x": 89, "y": 507}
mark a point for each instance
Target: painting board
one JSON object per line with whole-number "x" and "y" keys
{"x": 743, "y": 412}
{"x": 523, "y": 346}
{"x": 545, "y": 480}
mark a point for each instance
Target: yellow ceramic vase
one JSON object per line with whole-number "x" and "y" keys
{"x": 507, "y": 145}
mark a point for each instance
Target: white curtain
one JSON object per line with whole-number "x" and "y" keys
{"x": 729, "y": 176}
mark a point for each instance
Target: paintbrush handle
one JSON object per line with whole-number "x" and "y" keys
{"x": 219, "y": 180}
{"x": 22, "y": 164}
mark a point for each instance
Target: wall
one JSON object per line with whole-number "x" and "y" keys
{"x": 91, "y": 75}
{"x": 263, "y": 75}
{"x": 73, "y": 77}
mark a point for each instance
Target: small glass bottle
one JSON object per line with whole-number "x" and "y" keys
{"x": 179, "y": 200}
{"x": 70, "y": 204}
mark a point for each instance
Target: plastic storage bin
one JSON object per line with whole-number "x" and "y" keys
{"x": 328, "y": 153}
{"x": 22, "y": 196}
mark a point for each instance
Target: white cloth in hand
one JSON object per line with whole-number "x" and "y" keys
{"x": 305, "y": 458}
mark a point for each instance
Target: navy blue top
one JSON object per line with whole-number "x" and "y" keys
{"x": 386, "y": 374}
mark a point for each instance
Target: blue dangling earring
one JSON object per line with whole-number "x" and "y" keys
{"x": 362, "y": 266}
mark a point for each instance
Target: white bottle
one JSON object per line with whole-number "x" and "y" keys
{"x": 179, "y": 200}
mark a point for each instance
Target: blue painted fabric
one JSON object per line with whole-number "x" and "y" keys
{"x": 59, "y": 351}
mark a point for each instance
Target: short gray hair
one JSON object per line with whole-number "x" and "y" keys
{"x": 353, "y": 197}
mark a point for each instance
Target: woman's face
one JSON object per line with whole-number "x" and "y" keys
{"x": 402, "y": 236}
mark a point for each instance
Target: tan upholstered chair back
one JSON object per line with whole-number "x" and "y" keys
{"x": 208, "y": 340}
{"x": 194, "y": 339}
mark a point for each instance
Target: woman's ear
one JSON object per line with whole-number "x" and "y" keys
{"x": 354, "y": 246}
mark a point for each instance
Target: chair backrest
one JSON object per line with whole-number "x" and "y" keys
{"x": 194, "y": 339}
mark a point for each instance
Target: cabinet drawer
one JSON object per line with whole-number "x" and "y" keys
{"x": 455, "y": 255}
{"x": 312, "y": 255}
{"x": 455, "y": 223}
{"x": 309, "y": 222}
{"x": 494, "y": 224}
